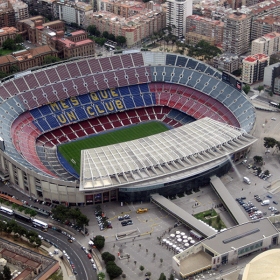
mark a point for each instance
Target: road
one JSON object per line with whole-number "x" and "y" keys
{"x": 77, "y": 255}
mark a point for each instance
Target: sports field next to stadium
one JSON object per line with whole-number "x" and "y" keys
{"x": 72, "y": 150}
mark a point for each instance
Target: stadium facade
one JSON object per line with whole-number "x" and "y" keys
{"x": 43, "y": 108}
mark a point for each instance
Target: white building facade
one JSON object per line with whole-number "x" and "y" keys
{"x": 177, "y": 11}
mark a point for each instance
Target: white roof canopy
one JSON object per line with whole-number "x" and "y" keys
{"x": 160, "y": 155}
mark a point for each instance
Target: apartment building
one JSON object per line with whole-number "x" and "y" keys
{"x": 253, "y": 68}
{"x": 26, "y": 59}
{"x": 7, "y": 33}
{"x": 264, "y": 25}
{"x": 236, "y": 38}
{"x": 134, "y": 28}
{"x": 267, "y": 44}
{"x": 211, "y": 30}
{"x": 272, "y": 77}
{"x": 176, "y": 14}
{"x": 42, "y": 7}
{"x": 227, "y": 62}
{"x": 20, "y": 8}
{"x": 7, "y": 17}
{"x": 72, "y": 12}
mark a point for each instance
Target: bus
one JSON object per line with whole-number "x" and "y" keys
{"x": 6, "y": 210}
{"x": 37, "y": 223}
{"x": 274, "y": 104}
{"x": 22, "y": 217}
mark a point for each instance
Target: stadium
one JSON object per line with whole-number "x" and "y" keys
{"x": 180, "y": 122}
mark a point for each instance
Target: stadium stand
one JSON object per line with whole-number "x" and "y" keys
{"x": 71, "y": 100}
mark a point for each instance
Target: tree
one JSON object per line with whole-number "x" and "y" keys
{"x": 106, "y": 257}
{"x": 260, "y": 88}
{"x": 135, "y": 262}
{"x": 162, "y": 276}
{"x": 171, "y": 277}
{"x": 204, "y": 50}
{"x": 161, "y": 261}
{"x": 259, "y": 170}
{"x": 112, "y": 37}
{"x": 154, "y": 255}
{"x": 101, "y": 276}
{"x": 105, "y": 34}
{"x": 148, "y": 273}
{"x": 246, "y": 88}
{"x": 258, "y": 159}
{"x": 141, "y": 268}
{"x": 9, "y": 44}
{"x": 50, "y": 59}
{"x": 269, "y": 142}
{"x": 92, "y": 29}
{"x": 113, "y": 270}
{"x": 18, "y": 39}
{"x": 266, "y": 172}
{"x": 7, "y": 273}
{"x": 100, "y": 41}
{"x": 121, "y": 40}
{"x": 99, "y": 241}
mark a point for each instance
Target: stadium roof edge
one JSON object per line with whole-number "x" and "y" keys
{"x": 160, "y": 155}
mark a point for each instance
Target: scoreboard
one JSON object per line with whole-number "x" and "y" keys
{"x": 230, "y": 79}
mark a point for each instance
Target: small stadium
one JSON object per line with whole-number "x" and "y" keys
{"x": 121, "y": 127}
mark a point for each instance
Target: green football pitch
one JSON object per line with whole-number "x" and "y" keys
{"x": 72, "y": 150}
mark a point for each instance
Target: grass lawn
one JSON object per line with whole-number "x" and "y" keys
{"x": 211, "y": 218}
{"x": 72, "y": 150}
{"x": 5, "y": 52}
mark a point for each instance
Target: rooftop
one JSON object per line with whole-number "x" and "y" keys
{"x": 255, "y": 57}
{"x": 240, "y": 236}
{"x": 7, "y": 30}
{"x": 164, "y": 154}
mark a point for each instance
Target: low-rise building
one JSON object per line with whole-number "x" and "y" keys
{"x": 7, "y": 33}
{"x": 75, "y": 45}
{"x": 26, "y": 59}
{"x": 226, "y": 247}
{"x": 267, "y": 44}
{"x": 227, "y": 62}
{"x": 253, "y": 68}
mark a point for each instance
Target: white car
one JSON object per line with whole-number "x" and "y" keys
{"x": 41, "y": 237}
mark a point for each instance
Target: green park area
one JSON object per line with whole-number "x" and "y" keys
{"x": 72, "y": 150}
{"x": 211, "y": 218}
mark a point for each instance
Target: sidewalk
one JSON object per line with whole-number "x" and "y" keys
{"x": 64, "y": 266}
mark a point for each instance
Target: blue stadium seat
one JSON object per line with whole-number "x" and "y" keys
{"x": 181, "y": 61}
{"x": 84, "y": 99}
{"x": 52, "y": 121}
{"x": 138, "y": 100}
{"x": 123, "y": 91}
{"x": 144, "y": 88}
{"x": 45, "y": 110}
{"x": 36, "y": 113}
{"x": 201, "y": 67}
{"x": 148, "y": 99}
{"x": 128, "y": 101}
{"x": 191, "y": 64}
{"x": 134, "y": 90}
{"x": 42, "y": 125}
{"x": 81, "y": 113}
{"x": 170, "y": 59}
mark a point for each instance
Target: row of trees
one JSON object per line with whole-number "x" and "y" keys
{"x": 101, "y": 38}
{"x": 271, "y": 143}
{"x": 13, "y": 44}
{"x": 112, "y": 269}
{"x": 25, "y": 210}
{"x": 12, "y": 227}
{"x": 63, "y": 213}
{"x": 6, "y": 274}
